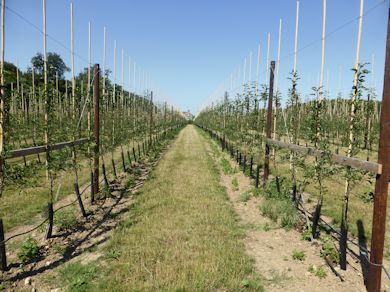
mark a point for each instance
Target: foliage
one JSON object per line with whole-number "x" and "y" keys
{"x": 29, "y": 250}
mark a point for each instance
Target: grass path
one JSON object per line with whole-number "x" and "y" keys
{"x": 182, "y": 233}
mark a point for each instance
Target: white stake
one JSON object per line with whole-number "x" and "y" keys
{"x": 114, "y": 92}
{"x": 278, "y": 62}
{"x": 104, "y": 63}
{"x": 257, "y": 69}
{"x": 244, "y": 71}
{"x": 72, "y": 60}
{"x": 296, "y": 38}
{"x": 89, "y": 57}
{"x": 322, "y": 53}
{"x": 267, "y": 65}
{"x": 250, "y": 67}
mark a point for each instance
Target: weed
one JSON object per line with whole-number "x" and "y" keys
{"x": 318, "y": 272}
{"x": 106, "y": 193}
{"x": 244, "y": 197}
{"x": 268, "y": 209}
{"x": 252, "y": 284}
{"x": 130, "y": 182}
{"x": 59, "y": 249}
{"x": 113, "y": 254}
{"x": 367, "y": 197}
{"x": 306, "y": 234}
{"x": 65, "y": 219}
{"x": 298, "y": 255}
{"x": 277, "y": 204}
{"x": 329, "y": 251}
{"x": 266, "y": 227}
{"x": 78, "y": 277}
{"x": 278, "y": 278}
{"x": 235, "y": 184}
{"x": 29, "y": 250}
{"x": 226, "y": 167}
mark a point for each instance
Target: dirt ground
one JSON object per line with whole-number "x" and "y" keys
{"x": 272, "y": 249}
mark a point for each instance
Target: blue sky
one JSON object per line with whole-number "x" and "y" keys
{"x": 190, "y": 48}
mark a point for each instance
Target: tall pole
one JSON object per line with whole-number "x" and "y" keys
{"x": 2, "y": 99}
{"x": 96, "y": 128}
{"x": 46, "y": 96}
{"x": 3, "y": 255}
{"x": 382, "y": 181}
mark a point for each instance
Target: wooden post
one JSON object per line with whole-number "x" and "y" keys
{"x": 382, "y": 181}
{"x": 251, "y": 168}
{"x": 269, "y": 123}
{"x": 123, "y": 161}
{"x": 50, "y": 217}
{"x": 113, "y": 167}
{"x": 80, "y": 202}
{"x": 96, "y": 128}
{"x": 3, "y": 256}
{"x": 257, "y": 176}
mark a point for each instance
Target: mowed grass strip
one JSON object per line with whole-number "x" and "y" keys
{"x": 182, "y": 234}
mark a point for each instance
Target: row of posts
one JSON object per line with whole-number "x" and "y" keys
{"x": 141, "y": 149}
{"x": 382, "y": 179}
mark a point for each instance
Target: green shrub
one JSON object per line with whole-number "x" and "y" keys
{"x": 28, "y": 250}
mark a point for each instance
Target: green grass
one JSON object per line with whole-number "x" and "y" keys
{"x": 182, "y": 233}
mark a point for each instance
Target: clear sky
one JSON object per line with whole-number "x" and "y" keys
{"x": 190, "y": 48}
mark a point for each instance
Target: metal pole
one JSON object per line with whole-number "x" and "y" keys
{"x": 382, "y": 181}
